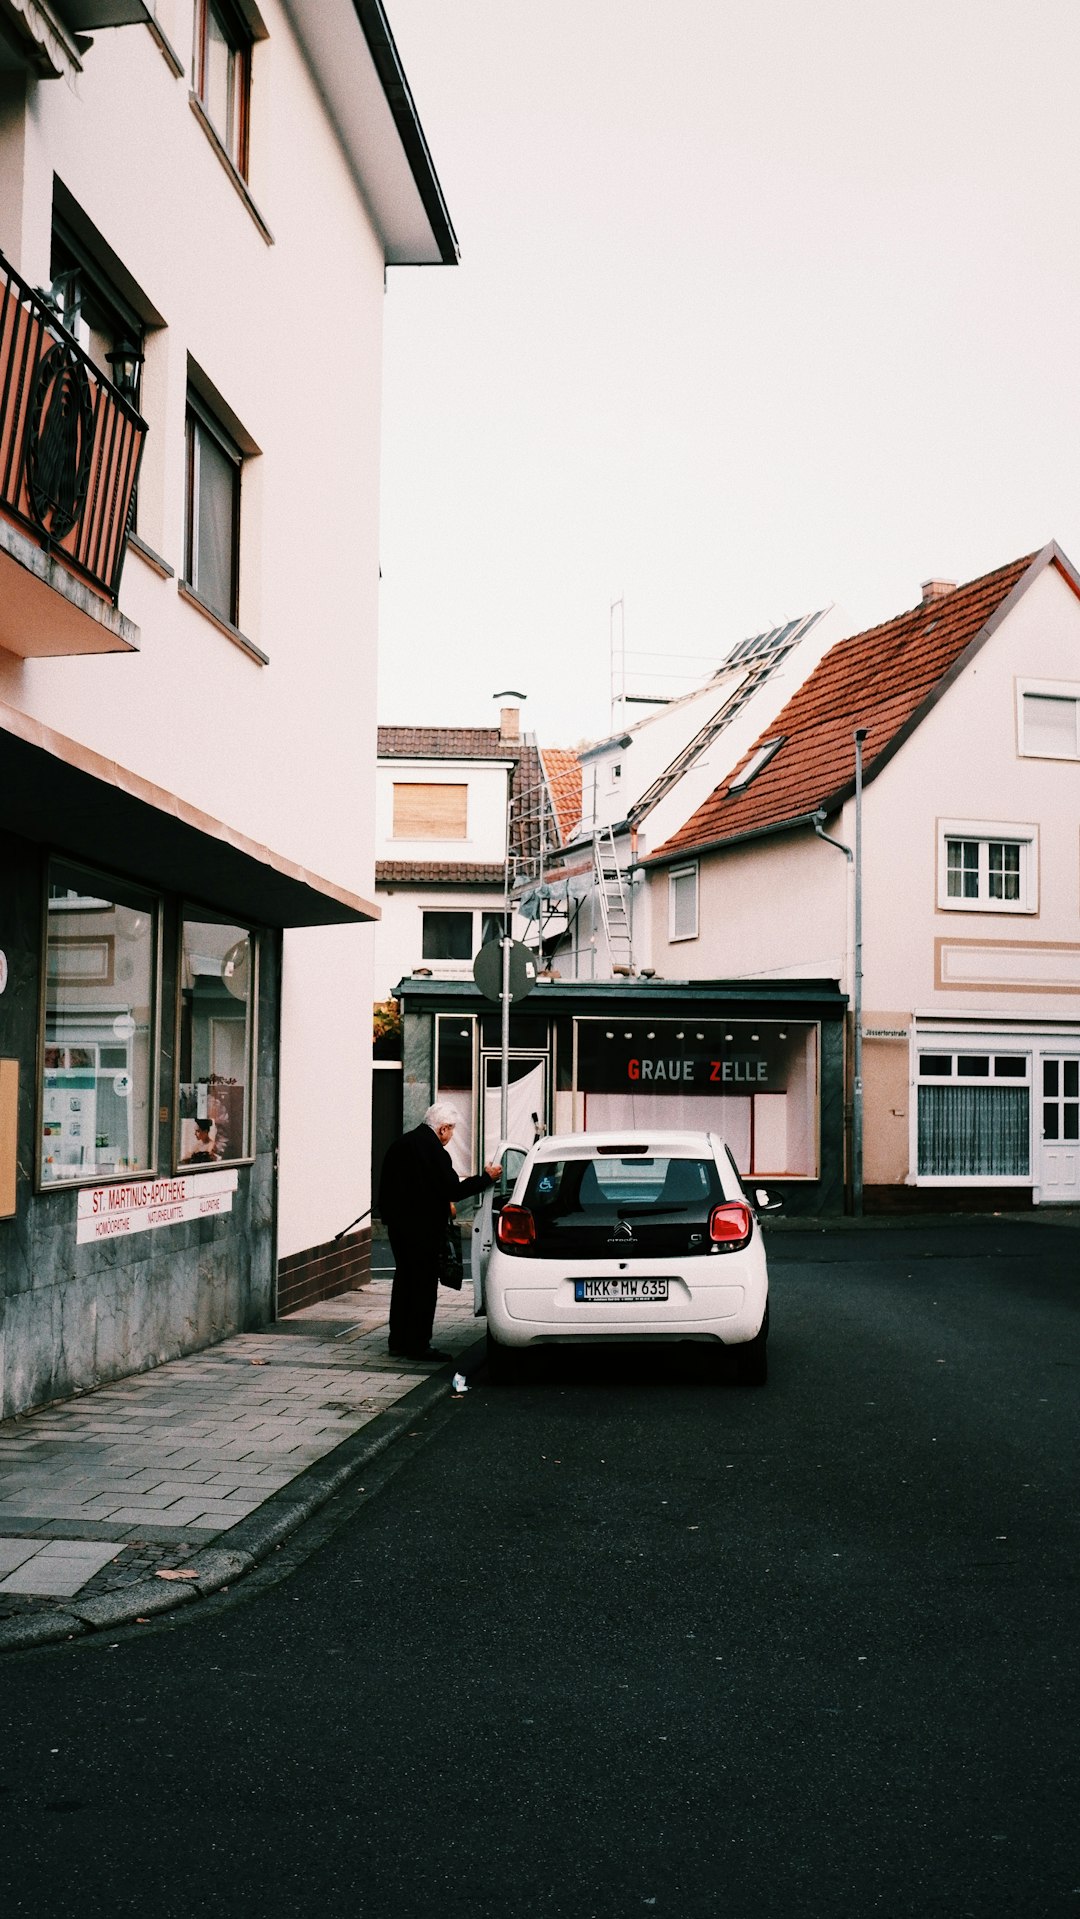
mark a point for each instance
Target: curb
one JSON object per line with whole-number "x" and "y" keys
{"x": 252, "y": 1539}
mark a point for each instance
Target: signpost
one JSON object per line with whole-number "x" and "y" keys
{"x": 505, "y": 970}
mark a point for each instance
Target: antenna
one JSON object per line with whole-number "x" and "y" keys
{"x": 617, "y": 657}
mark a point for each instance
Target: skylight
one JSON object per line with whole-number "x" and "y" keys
{"x": 759, "y": 758}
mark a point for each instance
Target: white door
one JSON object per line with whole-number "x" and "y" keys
{"x": 483, "y": 1232}
{"x": 1059, "y": 1175}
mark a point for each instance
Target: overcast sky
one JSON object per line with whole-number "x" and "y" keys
{"x": 762, "y": 305}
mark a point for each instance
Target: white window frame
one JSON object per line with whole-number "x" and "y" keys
{"x": 986, "y": 832}
{"x": 675, "y": 874}
{"x": 1052, "y": 690}
{"x": 1015, "y": 1046}
{"x": 453, "y": 965}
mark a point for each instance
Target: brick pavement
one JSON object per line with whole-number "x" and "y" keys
{"x": 103, "y": 1493}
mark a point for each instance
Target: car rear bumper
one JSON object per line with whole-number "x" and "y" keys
{"x": 711, "y": 1299}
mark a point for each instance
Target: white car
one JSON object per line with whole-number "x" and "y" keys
{"x": 629, "y": 1236}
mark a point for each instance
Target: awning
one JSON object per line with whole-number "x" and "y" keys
{"x": 63, "y": 795}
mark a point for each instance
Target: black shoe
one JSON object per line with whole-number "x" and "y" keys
{"x": 433, "y": 1353}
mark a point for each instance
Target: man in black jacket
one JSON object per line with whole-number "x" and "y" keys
{"x": 417, "y": 1187}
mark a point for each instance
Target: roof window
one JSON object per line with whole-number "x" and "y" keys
{"x": 759, "y": 758}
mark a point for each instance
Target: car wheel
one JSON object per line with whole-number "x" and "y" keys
{"x": 503, "y": 1362}
{"x": 752, "y": 1359}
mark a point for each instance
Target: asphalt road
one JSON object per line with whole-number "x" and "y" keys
{"x": 628, "y": 1640}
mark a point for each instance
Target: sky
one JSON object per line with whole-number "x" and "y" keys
{"x": 763, "y": 305}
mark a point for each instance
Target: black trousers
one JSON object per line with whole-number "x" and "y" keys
{"x": 415, "y": 1291}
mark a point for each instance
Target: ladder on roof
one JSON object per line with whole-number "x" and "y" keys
{"x": 614, "y": 901}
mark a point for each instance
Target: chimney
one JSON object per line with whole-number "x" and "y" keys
{"x": 936, "y": 590}
{"x": 509, "y": 716}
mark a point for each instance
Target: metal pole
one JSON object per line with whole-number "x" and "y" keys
{"x": 857, "y": 1089}
{"x": 504, "y": 1105}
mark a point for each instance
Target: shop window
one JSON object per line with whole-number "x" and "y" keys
{"x": 1049, "y": 720}
{"x": 215, "y": 1045}
{"x": 753, "y": 1082}
{"x": 974, "y": 1117}
{"x": 425, "y": 810}
{"x": 448, "y": 936}
{"x": 223, "y": 75}
{"x": 212, "y": 528}
{"x": 98, "y": 1090}
{"x": 987, "y": 869}
{"x": 683, "y": 903}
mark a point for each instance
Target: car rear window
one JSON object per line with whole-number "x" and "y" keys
{"x": 635, "y": 1185}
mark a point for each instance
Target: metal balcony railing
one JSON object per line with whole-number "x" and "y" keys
{"x": 70, "y": 444}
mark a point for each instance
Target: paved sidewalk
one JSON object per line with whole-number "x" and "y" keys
{"x": 199, "y": 1468}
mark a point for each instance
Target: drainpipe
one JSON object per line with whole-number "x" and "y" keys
{"x": 817, "y": 821}
{"x": 857, "y": 1090}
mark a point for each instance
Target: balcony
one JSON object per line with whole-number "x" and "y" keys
{"x": 70, "y": 446}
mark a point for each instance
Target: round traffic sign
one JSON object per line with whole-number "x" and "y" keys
{"x": 488, "y": 969}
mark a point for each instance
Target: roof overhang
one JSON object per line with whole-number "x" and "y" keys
{"x": 351, "y": 53}
{"x": 60, "y": 794}
{"x": 622, "y": 998}
{"x": 685, "y": 854}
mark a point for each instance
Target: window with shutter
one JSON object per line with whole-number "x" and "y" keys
{"x": 683, "y": 903}
{"x": 426, "y": 811}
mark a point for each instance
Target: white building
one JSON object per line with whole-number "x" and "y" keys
{"x": 970, "y": 920}
{"x": 209, "y": 195}
{"x": 641, "y": 783}
{"x": 460, "y": 812}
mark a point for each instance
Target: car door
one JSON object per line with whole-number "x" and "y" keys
{"x": 511, "y": 1159}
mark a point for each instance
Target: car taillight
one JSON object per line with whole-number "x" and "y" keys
{"x": 516, "y": 1227}
{"x": 731, "y": 1225}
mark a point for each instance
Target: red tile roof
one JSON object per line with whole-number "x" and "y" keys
{"x": 884, "y": 679}
{"x": 439, "y": 873}
{"x": 562, "y": 769}
{"x": 446, "y": 743}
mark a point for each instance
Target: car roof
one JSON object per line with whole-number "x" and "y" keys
{"x": 646, "y": 1142}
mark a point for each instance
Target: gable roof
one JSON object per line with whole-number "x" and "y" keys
{"x": 885, "y": 679}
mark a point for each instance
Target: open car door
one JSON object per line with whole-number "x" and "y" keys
{"x": 511, "y": 1159}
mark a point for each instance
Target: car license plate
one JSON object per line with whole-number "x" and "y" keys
{"x": 620, "y": 1292}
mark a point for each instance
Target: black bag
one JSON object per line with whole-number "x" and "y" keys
{"x": 451, "y": 1258}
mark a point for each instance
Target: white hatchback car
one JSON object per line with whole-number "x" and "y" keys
{"x": 621, "y": 1237}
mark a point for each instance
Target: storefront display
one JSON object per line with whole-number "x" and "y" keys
{"x": 98, "y": 1066}
{"x": 759, "y": 1063}
{"x": 217, "y": 988}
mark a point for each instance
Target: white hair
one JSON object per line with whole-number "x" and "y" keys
{"x": 441, "y": 1114}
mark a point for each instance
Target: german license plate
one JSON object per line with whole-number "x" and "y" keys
{"x": 619, "y": 1292}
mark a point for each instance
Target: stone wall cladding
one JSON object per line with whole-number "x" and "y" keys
{"x": 338, "y": 1266}
{"x": 73, "y": 1317}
